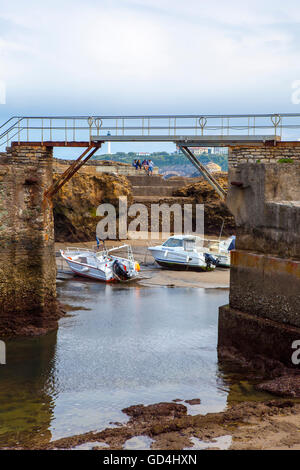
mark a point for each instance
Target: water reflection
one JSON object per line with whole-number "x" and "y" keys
{"x": 134, "y": 346}
{"x": 26, "y": 390}
{"x": 120, "y": 346}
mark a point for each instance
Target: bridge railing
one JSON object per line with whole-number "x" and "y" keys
{"x": 81, "y": 128}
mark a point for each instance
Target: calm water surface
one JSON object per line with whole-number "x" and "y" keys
{"x": 119, "y": 346}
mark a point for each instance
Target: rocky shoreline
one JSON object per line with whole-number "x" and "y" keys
{"x": 272, "y": 424}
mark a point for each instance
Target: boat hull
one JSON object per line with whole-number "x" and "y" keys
{"x": 176, "y": 266}
{"x": 90, "y": 272}
{"x": 223, "y": 260}
{"x": 180, "y": 260}
{"x": 101, "y": 269}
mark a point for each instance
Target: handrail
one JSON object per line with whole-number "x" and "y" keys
{"x": 10, "y": 119}
{"x": 155, "y": 116}
{"x": 74, "y": 128}
{"x": 11, "y": 127}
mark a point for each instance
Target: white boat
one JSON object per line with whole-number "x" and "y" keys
{"x": 183, "y": 252}
{"x": 186, "y": 251}
{"x": 102, "y": 265}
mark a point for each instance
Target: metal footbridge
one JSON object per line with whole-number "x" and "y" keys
{"x": 209, "y": 130}
{"x": 186, "y": 131}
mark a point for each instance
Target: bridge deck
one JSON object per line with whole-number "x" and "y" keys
{"x": 189, "y": 140}
{"x": 56, "y": 143}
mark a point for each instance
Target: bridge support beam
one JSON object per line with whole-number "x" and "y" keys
{"x": 263, "y": 315}
{"x": 202, "y": 170}
{"x": 27, "y": 256}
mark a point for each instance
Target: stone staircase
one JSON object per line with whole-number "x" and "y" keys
{"x": 148, "y": 190}
{"x": 155, "y": 188}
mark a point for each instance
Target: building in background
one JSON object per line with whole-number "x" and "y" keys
{"x": 143, "y": 154}
{"x": 220, "y": 150}
{"x": 213, "y": 167}
{"x": 200, "y": 150}
{"x": 206, "y": 150}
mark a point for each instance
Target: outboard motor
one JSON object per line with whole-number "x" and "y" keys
{"x": 120, "y": 271}
{"x": 210, "y": 260}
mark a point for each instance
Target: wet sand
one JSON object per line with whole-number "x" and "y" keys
{"x": 218, "y": 278}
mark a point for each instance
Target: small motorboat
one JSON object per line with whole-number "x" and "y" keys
{"x": 102, "y": 265}
{"x": 183, "y": 252}
{"x": 186, "y": 251}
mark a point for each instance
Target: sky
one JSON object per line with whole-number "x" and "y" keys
{"x": 149, "y": 56}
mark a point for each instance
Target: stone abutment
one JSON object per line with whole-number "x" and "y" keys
{"x": 262, "y": 320}
{"x": 27, "y": 255}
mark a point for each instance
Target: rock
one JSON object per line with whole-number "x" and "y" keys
{"x": 154, "y": 411}
{"x": 215, "y": 210}
{"x": 284, "y": 386}
{"x": 75, "y": 205}
{"x": 193, "y": 401}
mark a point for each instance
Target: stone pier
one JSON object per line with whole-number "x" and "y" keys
{"x": 27, "y": 256}
{"x": 263, "y": 315}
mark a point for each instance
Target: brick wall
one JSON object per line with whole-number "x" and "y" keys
{"x": 264, "y": 153}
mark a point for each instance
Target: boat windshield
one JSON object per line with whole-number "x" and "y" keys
{"x": 173, "y": 243}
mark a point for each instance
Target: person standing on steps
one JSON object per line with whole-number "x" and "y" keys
{"x": 151, "y": 166}
{"x": 145, "y": 166}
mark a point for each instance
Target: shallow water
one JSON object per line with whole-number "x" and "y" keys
{"x": 138, "y": 443}
{"x": 119, "y": 346}
{"x": 221, "y": 443}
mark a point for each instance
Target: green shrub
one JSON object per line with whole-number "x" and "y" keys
{"x": 285, "y": 160}
{"x": 93, "y": 212}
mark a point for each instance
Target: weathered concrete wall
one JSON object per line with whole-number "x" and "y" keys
{"x": 266, "y": 206}
{"x": 27, "y": 256}
{"x": 266, "y": 286}
{"x": 265, "y": 272}
{"x": 262, "y": 343}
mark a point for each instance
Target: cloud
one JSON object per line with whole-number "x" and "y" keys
{"x": 2, "y": 92}
{"x": 149, "y": 55}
